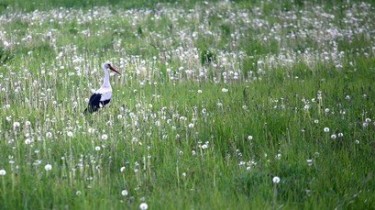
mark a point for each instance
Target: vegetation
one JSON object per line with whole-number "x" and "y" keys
{"x": 220, "y": 105}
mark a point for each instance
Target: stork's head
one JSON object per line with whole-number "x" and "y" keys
{"x": 108, "y": 66}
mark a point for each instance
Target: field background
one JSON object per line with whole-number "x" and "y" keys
{"x": 220, "y": 105}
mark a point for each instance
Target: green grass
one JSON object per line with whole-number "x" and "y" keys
{"x": 214, "y": 101}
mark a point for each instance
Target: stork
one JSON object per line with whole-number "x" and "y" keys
{"x": 103, "y": 95}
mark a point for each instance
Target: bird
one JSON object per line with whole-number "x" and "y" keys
{"x": 103, "y": 95}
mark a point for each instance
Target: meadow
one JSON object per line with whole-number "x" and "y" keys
{"x": 220, "y": 105}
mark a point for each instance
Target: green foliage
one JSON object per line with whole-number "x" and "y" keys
{"x": 215, "y": 100}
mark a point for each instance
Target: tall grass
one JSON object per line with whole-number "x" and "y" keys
{"x": 219, "y": 106}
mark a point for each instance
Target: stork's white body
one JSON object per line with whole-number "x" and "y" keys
{"x": 103, "y": 95}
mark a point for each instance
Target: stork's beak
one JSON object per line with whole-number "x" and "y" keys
{"x": 113, "y": 69}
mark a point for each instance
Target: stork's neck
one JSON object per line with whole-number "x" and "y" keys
{"x": 106, "y": 83}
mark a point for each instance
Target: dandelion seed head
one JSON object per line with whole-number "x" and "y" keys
{"x": 104, "y": 137}
{"x": 69, "y": 134}
{"x": 124, "y": 192}
{"x": 49, "y": 135}
{"x": 2, "y": 172}
{"x": 224, "y": 90}
{"x": 16, "y": 125}
{"x": 276, "y": 180}
{"x": 309, "y": 162}
{"x": 48, "y": 167}
{"x": 143, "y": 206}
{"x": 326, "y": 130}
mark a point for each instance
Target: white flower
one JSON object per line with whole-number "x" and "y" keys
{"x": 276, "y": 180}
{"x": 340, "y": 135}
{"x": 16, "y": 125}
{"x": 122, "y": 169}
{"x": 48, "y": 167}
{"x": 200, "y": 91}
{"x": 333, "y": 136}
{"x": 69, "y": 133}
{"x": 224, "y": 90}
{"x": 143, "y": 206}
{"x": 104, "y": 137}
{"x": 49, "y": 135}
{"x": 249, "y": 137}
{"x": 309, "y": 162}
{"x": 3, "y": 172}
{"x": 97, "y": 148}
{"x": 326, "y": 129}
{"x": 125, "y": 193}
{"x": 191, "y": 125}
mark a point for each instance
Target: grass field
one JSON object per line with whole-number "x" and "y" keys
{"x": 220, "y": 105}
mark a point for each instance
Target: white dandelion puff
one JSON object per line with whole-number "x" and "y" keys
{"x": 48, "y": 167}
{"x": 104, "y": 137}
{"x": 3, "y": 172}
{"x": 276, "y": 180}
{"x": 124, "y": 193}
{"x": 143, "y": 206}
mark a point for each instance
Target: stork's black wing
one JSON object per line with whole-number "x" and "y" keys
{"x": 94, "y": 103}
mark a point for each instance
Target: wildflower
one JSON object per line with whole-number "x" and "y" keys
{"x": 78, "y": 193}
{"x": 49, "y": 135}
{"x": 333, "y": 136}
{"x": 122, "y": 169}
{"x": 125, "y": 193}
{"x": 276, "y": 180}
{"x": 16, "y": 125}
{"x": 224, "y": 90}
{"x": 278, "y": 156}
{"x": 97, "y": 148}
{"x": 69, "y": 133}
{"x": 340, "y": 135}
{"x": 249, "y": 137}
{"x": 309, "y": 162}
{"x": 199, "y": 91}
{"x": 143, "y": 206}
{"x": 48, "y": 167}
{"x": 3, "y": 172}
{"x": 104, "y": 137}
{"x": 326, "y": 130}
{"x": 191, "y": 125}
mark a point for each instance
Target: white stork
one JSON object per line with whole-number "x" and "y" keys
{"x": 103, "y": 95}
